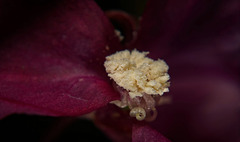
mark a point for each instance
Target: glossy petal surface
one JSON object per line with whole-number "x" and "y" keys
{"x": 54, "y": 65}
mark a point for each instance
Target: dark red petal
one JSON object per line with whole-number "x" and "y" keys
{"x": 144, "y": 133}
{"x": 54, "y": 66}
{"x": 169, "y": 26}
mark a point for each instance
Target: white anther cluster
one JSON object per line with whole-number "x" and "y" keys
{"x": 138, "y": 75}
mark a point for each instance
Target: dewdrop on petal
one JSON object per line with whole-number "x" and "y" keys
{"x": 140, "y": 80}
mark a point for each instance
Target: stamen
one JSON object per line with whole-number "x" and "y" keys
{"x": 152, "y": 115}
{"x": 119, "y": 35}
{"x": 138, "y": 112}
{"x": 140, "y": 81}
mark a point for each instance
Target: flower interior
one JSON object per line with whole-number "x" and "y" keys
{"x": 141, "y": 82}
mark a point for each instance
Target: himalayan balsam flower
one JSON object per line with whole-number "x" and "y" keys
{"x": 52, "y": 57}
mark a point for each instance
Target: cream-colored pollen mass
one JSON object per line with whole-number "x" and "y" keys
{"x": 137, "y": 73}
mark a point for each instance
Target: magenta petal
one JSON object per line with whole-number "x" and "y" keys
{"x": 171, "y": 25}
{"x": 55, "y": 65}
{"x": 144, "y": 133}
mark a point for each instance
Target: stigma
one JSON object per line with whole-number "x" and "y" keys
{"x": 141, "y": 82}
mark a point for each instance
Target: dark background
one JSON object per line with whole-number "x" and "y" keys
{"x": 33, "y": 128}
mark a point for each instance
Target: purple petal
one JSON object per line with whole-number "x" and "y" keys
{"x": 144, "y": 133}
{"x": 54, "y": 66}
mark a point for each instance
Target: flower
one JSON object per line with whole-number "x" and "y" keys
{"x": 139, "y": 80}
{"x": 52, "y": 64}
